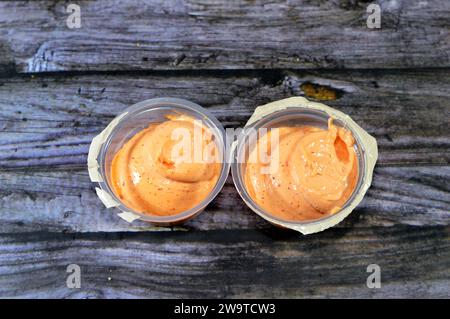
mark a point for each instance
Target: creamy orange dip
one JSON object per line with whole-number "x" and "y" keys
{"x": 154, "y": 173}
{"x": 313, "y": 175}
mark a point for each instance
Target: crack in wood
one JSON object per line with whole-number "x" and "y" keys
{"x": 321, "y": 92}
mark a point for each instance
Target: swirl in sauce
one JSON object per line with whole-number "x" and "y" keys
{"x": 313, "y": 175}
{"x": 153, "y": 175}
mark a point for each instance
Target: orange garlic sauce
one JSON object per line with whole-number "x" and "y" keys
{"x": 153, "y": 175}
{"x": 313, "y": 175}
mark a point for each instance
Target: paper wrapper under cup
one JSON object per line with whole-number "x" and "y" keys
{"x": 94, "y": 167}
{"x": 369, "y": 145}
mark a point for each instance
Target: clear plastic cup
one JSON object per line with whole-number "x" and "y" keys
{"x": 138, "y": 117}
{"x": 295, "y": 116}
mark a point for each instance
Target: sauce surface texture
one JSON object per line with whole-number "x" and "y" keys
{"x": 157, "y": 172}
{"x": 313, "y": 174}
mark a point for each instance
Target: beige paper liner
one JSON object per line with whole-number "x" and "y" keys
{"x": 94, "y": 167}
{"x": 371, "y": 154}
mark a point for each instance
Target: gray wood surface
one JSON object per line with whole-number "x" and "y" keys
{"x": 56, "y": 117}
{"x": 65, "y": 201}
{"x": 131, "y": 35}
{"x": 228, "y": 56}
{"x": 51, "y": 125}
{"x": 414, "y": 263}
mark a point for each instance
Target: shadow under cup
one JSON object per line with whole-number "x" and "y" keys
{"x": 290, "y": 117}
{"x": 138, "y": 117}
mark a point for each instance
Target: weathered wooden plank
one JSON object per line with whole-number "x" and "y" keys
{"x": 65, "y": 201}
{"x": 159, "y": 34}
{"x": 49, "y": 121}
{"x": 414, "y": 263}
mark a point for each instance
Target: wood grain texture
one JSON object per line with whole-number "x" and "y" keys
{"x": 209, "y": 34}
{"x": 228, "y": 56}
{"x": 414, "y": 263}
{"x": 65, "y": 201}
{"x": 49, "y": 121}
